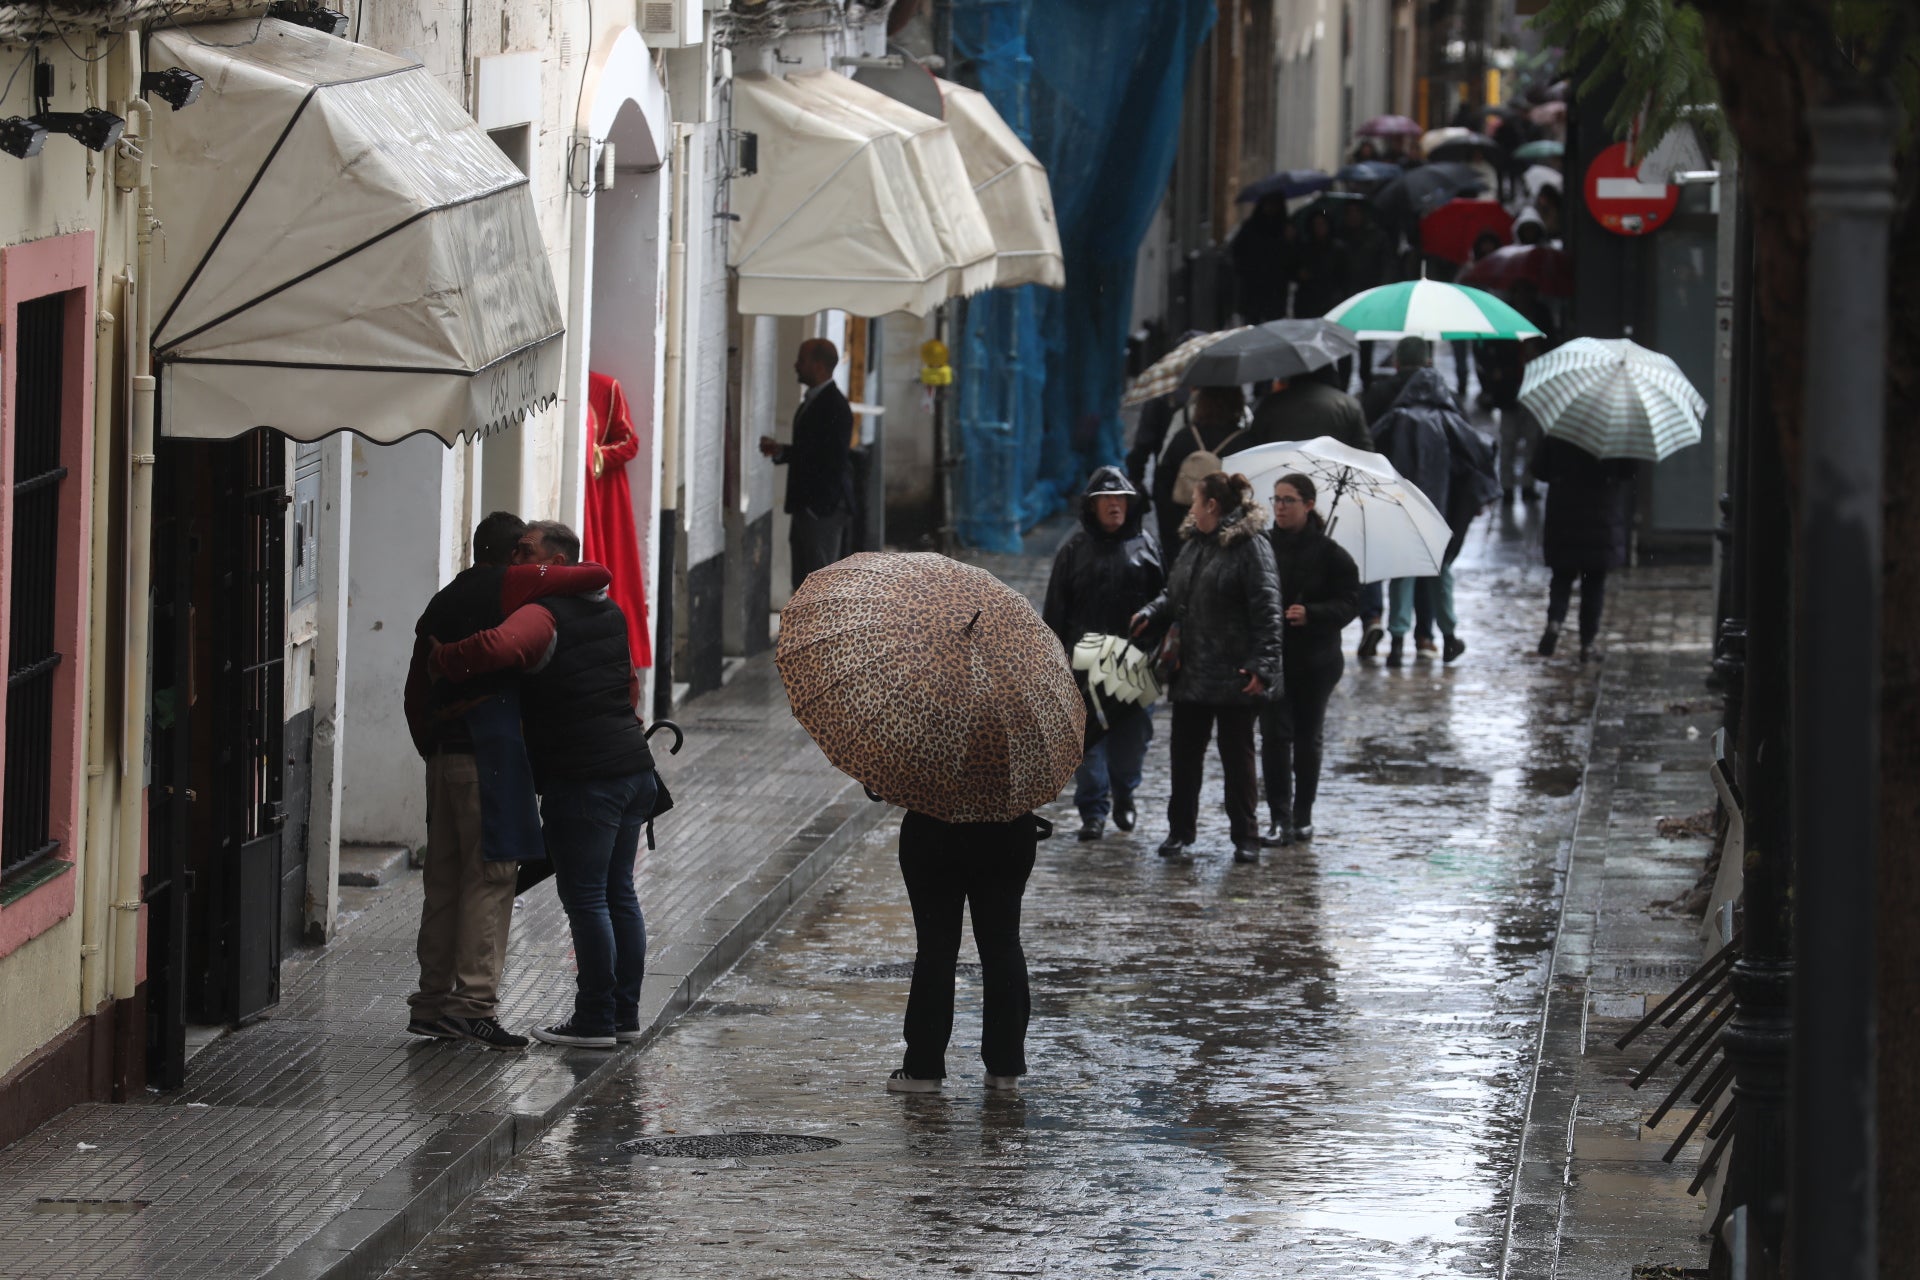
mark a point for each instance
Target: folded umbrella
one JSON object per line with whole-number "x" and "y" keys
{"x": 1276, "y": 349}
{"x": 1287, "y": 183}
{"x": 1547, "y": 269}
{"x": 1613, "y": 398}
{"x": 1164, "y": 374}
{"x": 1432, "y": 310}
{"x": 1389, "y": 527}
{"x": 1389, "y": 127}
{"x": 932, "y": 683}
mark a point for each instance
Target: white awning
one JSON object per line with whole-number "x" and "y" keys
{"x": 345, "y": 249}
{"x": 1013, "y": 191}
{"x": 860, "y": 203}
{"x": 932, "y": 150}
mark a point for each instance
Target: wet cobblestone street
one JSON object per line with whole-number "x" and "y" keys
{"x": 1316, "y": 1066}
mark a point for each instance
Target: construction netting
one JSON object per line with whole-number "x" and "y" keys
{"x": 1094, "y": 87}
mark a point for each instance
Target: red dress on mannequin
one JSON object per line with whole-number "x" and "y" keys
{"x": 609, "y": 537}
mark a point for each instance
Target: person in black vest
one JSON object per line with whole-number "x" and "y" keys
{"x": 470, "y": 862}
{"x": 594, "y": 772}
{"x": 820, "y": 475}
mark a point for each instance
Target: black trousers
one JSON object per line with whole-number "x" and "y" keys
{"x": 1193, "y": 725}
{"x": 814, "y": 542}
{"x": 1292, "y": 731}
{"x": 1593, "y": 599}
{"x": 983, "y": 866}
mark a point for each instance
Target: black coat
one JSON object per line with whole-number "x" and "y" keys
{"x": 820, "y": 475}
{"x": 1100, "y": 579}
{"x": 1263, "y": 252}
{"x": 1304, "y": 410}
{"x": 1589, "y": 507}
{"x": 1317, "y": 572}
{"x": 1181, "y": 437}
{"x": 1225, "y": 596}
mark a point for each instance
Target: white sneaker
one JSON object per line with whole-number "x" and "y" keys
{"x": 901, "y": 1082}
{"x": 1002, "y": 1084}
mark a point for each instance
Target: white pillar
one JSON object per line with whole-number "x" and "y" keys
{"x": 329, "y": 689}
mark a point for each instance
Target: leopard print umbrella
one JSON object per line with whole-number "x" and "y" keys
{"x": 933, "y": 683}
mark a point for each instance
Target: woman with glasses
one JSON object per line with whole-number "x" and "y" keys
{"x": 1319, "y": 594}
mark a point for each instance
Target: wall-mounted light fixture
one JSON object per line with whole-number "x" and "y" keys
{"x": 176, "y": 86}
{"x": 309, "y": 13}
{"x": 94, "y": 129}
{"x": 21, "y": 137}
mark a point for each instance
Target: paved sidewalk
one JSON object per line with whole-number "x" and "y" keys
{"x": 1592, "y": 1198}
{"x": 325, "y": 1141}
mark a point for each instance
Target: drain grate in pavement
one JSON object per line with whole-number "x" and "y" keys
{"x": 904, "y": 970}
{"x": 728, "y": 1146}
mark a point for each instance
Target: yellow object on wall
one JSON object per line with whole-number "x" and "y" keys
{"x": 935, "y": 371}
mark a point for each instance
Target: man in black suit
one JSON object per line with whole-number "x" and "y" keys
{"x": 820, "y": 485}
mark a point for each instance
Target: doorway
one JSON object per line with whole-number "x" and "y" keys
{"x": 219, "y": 868}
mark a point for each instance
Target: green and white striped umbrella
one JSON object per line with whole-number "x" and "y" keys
{"x": 1614, "y": 399}
{"x": 1432, "y": 310}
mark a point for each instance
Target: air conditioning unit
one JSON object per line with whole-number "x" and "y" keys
{"x": 672, "y": 24}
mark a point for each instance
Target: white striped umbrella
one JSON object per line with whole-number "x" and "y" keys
{"x": 1432, "y": 310}
{"x": 1613, "y": 398}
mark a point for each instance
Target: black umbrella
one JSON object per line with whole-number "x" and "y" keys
{"x": 1369, "y": 171}
{"x": 1288, "y": 183}
{"x": 1329, "y": 203}
{"x": 1419, "y": 192}
{"x": 1276, "y": 349}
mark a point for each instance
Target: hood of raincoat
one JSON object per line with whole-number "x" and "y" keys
{"x": 1112, "y": 480}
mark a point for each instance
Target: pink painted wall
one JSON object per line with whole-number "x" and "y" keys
{"x": 58, "y": 264}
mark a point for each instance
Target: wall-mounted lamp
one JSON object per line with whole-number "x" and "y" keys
{"x": 309, "y": 13}
{"x": 176, "y": 86}
{"x": 94, "y": 129}
{"x": 21, "y": 137}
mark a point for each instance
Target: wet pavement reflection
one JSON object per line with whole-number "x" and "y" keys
{"x": 1313, "y": 1066}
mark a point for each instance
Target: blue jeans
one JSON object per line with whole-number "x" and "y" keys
{"x": 593, "y": 830}
{"x": 1373, "y": 602}
{"x": 1111, "y": 766}
{"x": 1438, "y": 590}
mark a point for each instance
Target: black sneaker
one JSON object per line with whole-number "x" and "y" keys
{"x": 1549, "y": 641}
{"x": 1303, "y": 831}
{"x": 1249, "y": 852}
{"x": 1370, "y": 639}
{"x": 1092, "y": 829}
{"x": 1000, "y": 1084}
{"x": 486, "y": 1031}
{"x": 565, "y": 1033}
{"x": 628, "y": 1035}
{"x": 432, "y": 1029}
{"x": 1454, "y": 647}
{"x": 1397, "y": 652}
{"x": 1124, "y": 814}
{"x": 1278, "y": 836}
{"x": 1175, "y": 847}
{"x": 901, "y": 1082}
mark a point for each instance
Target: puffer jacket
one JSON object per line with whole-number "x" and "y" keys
{"x": 1100, "y": 579}
{"x": 1224, "y": 595}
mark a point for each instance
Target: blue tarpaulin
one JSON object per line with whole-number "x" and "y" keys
{"x": 1094, "y": 87}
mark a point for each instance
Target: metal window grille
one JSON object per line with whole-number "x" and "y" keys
{"x": 33, "y": 559}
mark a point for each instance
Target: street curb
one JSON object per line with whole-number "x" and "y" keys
{"x": 410, "y": 1201}
{"x": 1539, "y": 1176}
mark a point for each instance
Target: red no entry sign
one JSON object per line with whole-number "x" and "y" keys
{"x": 1622, "y": 203}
